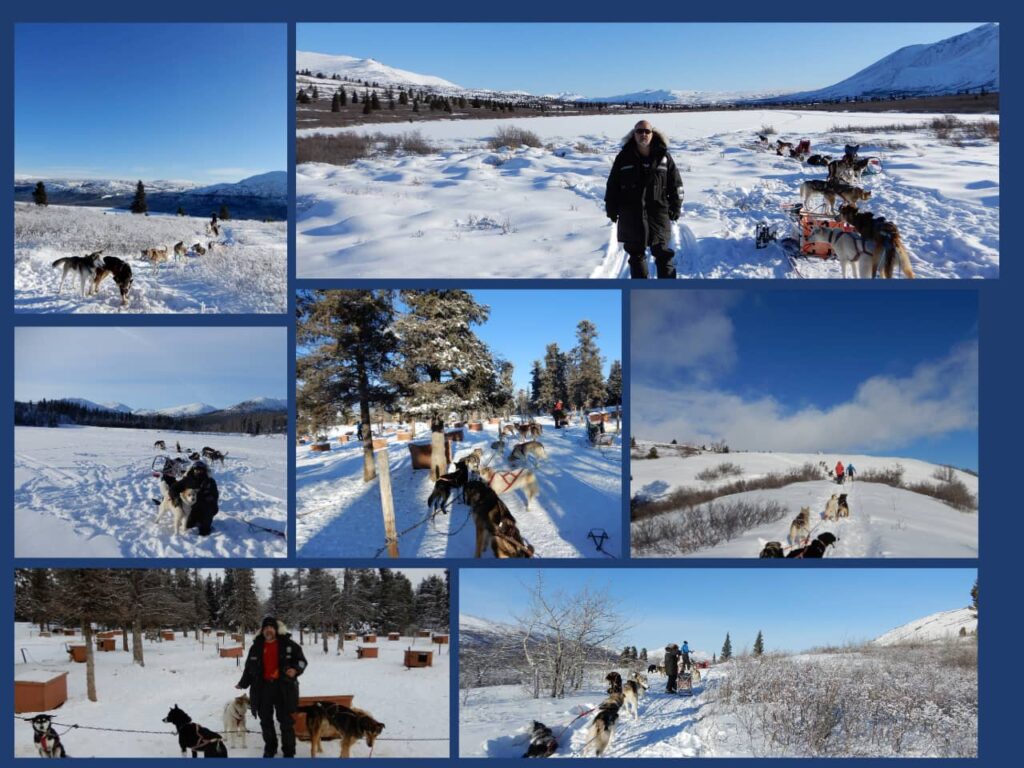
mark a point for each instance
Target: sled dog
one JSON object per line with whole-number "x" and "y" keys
{"x": 234, "y": 719}
{"x": 46, "y": 739}
{"x": 531, "y": 449}
{"x": 154, "y": 255}
{"x": 631, "y": 698}
{"x": 888, "y": 247}
{"x": 843, "y": 507}
{"x": 194, "y": 737}
{"x": 495, "y": 526}
{"x": 325, "y": 720}
{"x": 830, "y": 190}
{"x": 177, "y": 505}
{"x": 816, "y": 549}
{"x": 160, "y": 444}
{"x": 542, "y": 741}
{"x": 602, "y": 727}
{"x": 120, "y": 271}
{"x": 179, "y": 249}
{"x": 516, "y": 480}
{"x": 832, "y": 508}
{"x": 198, "y": 248}
{"x": 849, "y": 249}
{"x": 82, "y": 267}
{"x": 800, "y": 528}
{"x": 443, "y": 486}
{"x": 614, "y": 680}
{"x": 640, "y": 679}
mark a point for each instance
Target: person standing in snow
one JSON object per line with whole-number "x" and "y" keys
{"x": 685, "y": 651}
{"x": 643, "y": 196}
{"x": 671, "y": 667}
{"x": 839, "y": 472}
{"x": 849, "y": 471}
{"x": 271, "y": 674}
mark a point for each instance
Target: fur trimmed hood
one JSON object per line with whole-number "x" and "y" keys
{"x": 658, "y": 139}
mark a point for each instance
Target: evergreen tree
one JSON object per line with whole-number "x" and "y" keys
{"x": 415, "y": 105}
{"x": 223, "y": 213}
{"x": 653, "y": 453}
{"x": 302, "y": 97}
{"x": 342, "y": 97}
{"x": 374, "y": 101}
{"x": 139, "y": 203}
{"x": 355, "y": 97}
{"x": 759, "y": 644}
{"x": 726, "y": 648}
{"x": 243, "y": 608}
{"x": 974, "y": 595}
{"x": 536, "y": 385}
{"x": 335, "y": 103}
{"x": 587, "y": 382}
{"x": 643, "y": 654}
{"x": 39, "y": 194}
{"x": 366, "y": 106}
{"x": 613, "y": 386}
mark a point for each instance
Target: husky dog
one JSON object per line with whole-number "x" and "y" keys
{"x": 496, "y": 528}
{"x": 154, "y": 255}
{"x": 850, "y": 151}
{"x": 652, "y": 668}
{"x": 631, "y": 697}
{"x": 179, "y": 249}
{"x": 518, "y": 480}
{"x": 498, "y": 445}
{"x": 542, "y": 741}
{"x": 830, "y": 190}
{"x": 819, "y": 160}
{"x": 816, "y": 549}
{"x": 234, "y": 719}
{"x": 800, "y": 528}
{"x": 198, "y": 248}
{"x": 119, "y": 270}
{"x": 602, "y": 727}
{"x": 192, "y": 736}
{"x": 46, "y": 739}
{"x": 326, "y": 720}
{"x": 214, "y": 455}
{"x": 849, "y": 248}
{"x": 843, "y": 507}
{"x": 888, "y": 246}
{"x": 178, "y": 505}
{"x": 695, "y": 672}
{"x": 640, "y": 679}
{"x": 614, "y": 680}
{"x": 772, "y": 550}
{"x": 832, "y": 508}
{"x": 82, "y": 267}
{"x": 783, "y": 148}
{"x": 530, "y": 449}
{"x": 443, "y": 486}
{"x": 161, "y": 445}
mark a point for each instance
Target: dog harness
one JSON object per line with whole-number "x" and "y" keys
{"x": 504, "y": 478}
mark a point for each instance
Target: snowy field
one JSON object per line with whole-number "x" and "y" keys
{"x": 413, "y": 704}
{"x": 340, "y": 516}
{"x": 247, "y": 273}
{"x": 87, "y": 492}
{"x": 884, "y": 521}
{"x": 539, "y": 213}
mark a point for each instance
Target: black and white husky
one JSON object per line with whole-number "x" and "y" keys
{"x": 602, "y": 727}
{"x": 47, "y": 740}
{"x": 85, "y": 268}
{"x": 542, "y": 741}
{"x": 177, "y": 504}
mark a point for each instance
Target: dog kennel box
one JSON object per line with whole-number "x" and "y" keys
{"x": 320, "y": 447}
{"x": 366, "y": 652}
{"x": 455, "y": 436}
{"x": 44, "y": 633}
{"x": 77, "y": 653}
{"x": 69, "y": 632}
{"x": 167, "y": 634}
{"x": 105, "y": 644}
{"x": 220, "y": 633}
{"x": 404, "y": 436}
{"x": 380, "y": 442}
{"x": 595, "y": 418}
{"x": 301, "y": 731}
{"x": 441, "y": 639}
{"x": 420, "y": 454}
{"x": 394, "y": 636}
{"x": 39, "y": 690}
{"x": 476, "y": 426}
{"x": 108, "y": 633}
{"x": 370, "y": 638}
{"x": 415, "y": 658}
{"x": 238, "y": 637}
{"x": 350, "y": 635}
{"x": 423, "y": 633}
{"x": 234, "y": 652}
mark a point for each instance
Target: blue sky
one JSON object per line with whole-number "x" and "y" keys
{"x": 151, "y": 367}
{"x": 878, "y": 372}
{"x": 610, "y": 59}
{"x": 795, "y": 609}
{"x": 195, "y": 102}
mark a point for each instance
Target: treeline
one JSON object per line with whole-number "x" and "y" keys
{"x": 54, "y": 413}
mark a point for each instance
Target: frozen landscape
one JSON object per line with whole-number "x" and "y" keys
{"x": 412, "y": 703}
{"x": 340, "y": 516}
{"x": 884, "y": 521}
{"x": 244, "y": 272}
{"x": 88, "y": 492}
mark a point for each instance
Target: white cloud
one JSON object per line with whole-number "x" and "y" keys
{"x": 885, "y": 412}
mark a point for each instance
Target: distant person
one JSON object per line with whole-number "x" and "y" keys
{"x": 685, "y": 652}
{"x": 839, "y": 472}
{"x": 643, "y": 196}
{"x": 849, "y": 471}
{"x": 671, "y": 667}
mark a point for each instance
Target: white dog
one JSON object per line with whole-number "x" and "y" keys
{"x": 848, "y": 248}
{"x": 832, "y": 508}
{"x": 234, "y": 719}
{"x": 179, "y": 507}
{"x": 800, "y": 528}
{"x": 532, "y": 449}
{"x": 516, "y": 480}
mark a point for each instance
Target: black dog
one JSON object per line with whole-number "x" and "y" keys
{"x": 438, "y": 498}
{"x": 819, "y": 159}
{"x": 614, "y": 680}
{"x": 111, "y": 266}
{"x": 816, "y": 549}
{"x": 192, "y": 736}
{"x": 652, "y": 668}
{"x": 542, "y": 741}
{"x": 772, "y": 549}
{"x": 207, "y": 501}
{"x": 46, "y": 739}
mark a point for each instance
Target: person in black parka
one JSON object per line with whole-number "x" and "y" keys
{"x": 271, "y": 674}
{"x": 644, "y": 195}
{"x": 207, "y": 497}
{"x": 671, "y": 667}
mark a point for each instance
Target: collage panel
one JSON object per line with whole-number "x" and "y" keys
{"x": 796, "y": 424}
{"x": 698, "y": 662}
{"x": 127, "y": 448}
{"x": 169, "y": 179}
{"x": 454, "y": 423}
{"x": 714, "y": 157}
{"x": 188, "y": 665}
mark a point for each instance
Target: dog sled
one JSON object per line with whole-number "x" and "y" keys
{"x": 797, "y": 243}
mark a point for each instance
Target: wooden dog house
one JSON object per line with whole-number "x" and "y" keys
{"x": 77, "y": 653}
{"x": 105, "y": 644}
{"x": 69, "y": 632}
{"x": 394, "y": 636}
{"x": 379, "y": 443}
{"x": 366, "y": 652}
{"x": 476, "y": 426}
{"x": 350, "y": 635}
{"x": 370, "y": 638}
{"x": 414, "y": 658}
{"x": 420, "y": 454}
{"x": 404, "y": 436}
{"x": 320, "y": 447}
{"x": 167, "y": 634}
{"x": 220, "y": 633}
{"x": 423, "y": 633}
{"x": 39, "y": 690}
{"x": 237, "y": 637}
{"x": 234, "y": 652}
{"x": 304, "y": 701}
{"x": 441, "y": 639}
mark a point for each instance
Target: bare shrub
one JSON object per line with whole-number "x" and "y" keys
{"x": 703, "y": 527}
{"x": 955, "y": 493}
{"x": 411, "y": 143}
{"x": 514, "y": 137}
{"x": 944, "y": 474}
{"x": 725, "y": 469}
{"x": 583, "y": 148}
{"x": 767, "y": 130}
{"x": 886, "y": 476}
{"x": 340, "y": 149}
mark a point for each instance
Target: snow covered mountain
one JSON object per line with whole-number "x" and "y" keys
{"x": 937, "y": 627}
{"x": 252, "y": 405}
{"x": 966, "y": 61}
{"x": 260, "y": 404}
{"x": 366, "y": 69}
{"x": 273, "y": 184}
{"x": 674, "y": 96}
{"x": 191, "y": 409}
{"x": 115, "y": 407}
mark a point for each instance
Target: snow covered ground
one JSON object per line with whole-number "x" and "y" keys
{"x": 469, "y": 211}
{"x": 937, "y": 626}
{"x": 884, "y": 521}
{"x": 87, "y": 492}
{"x": 340, "y": 516}
{"x": 246, "y": 274}
{"x": 412, "y": 703}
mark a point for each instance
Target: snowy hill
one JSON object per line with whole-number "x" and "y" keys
{"x": 967, "y": 61}
{"x": 937, "y": 627}
{"x": 253, "y": 405}
{"x": 191, "y": 409}
{"x": 675, "y": 96}
{"x": 273, "y": 184}
{"x": 365, "y": 69}
{"x": 260, "y": 404}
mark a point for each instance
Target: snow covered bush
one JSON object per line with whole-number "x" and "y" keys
{"x": 514, "y": 137}
{"x": 704, "y": 527}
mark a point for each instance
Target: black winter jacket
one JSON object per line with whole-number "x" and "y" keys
{"x": 672, "y": 660}
{"x": 644, "y": 193}
{"x": 289, "y": 656}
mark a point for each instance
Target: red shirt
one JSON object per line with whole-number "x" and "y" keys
{"x": 270, "y": 666}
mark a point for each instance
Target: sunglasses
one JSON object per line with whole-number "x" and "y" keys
{"x": 642, "y": 130}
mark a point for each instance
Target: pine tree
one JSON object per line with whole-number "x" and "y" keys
{"x": 223, "y": 213}
{"x": 366, "y": 106}
{"x": 374, "y": 101}
{"x": 355, "y": 97}
{"x": 726, "y": 648}
{"x": 536, "y": 384}
{"x": 632, "y": 442}
{"x": 342, "y": 97}
{"x": 302, "y": 97}
{"x": 643, "y": 654}
{"x": 139, "y": 203}
{"x": 39, "y": 194}
{"x": 587, "y": 382}
{"x": 335, "y": 103}
{"x": 974, "y": 595}
{"x": 759, "y": 644}
{"x": 653, "y": 453}
{"x": 181, "y": 211}
{"x": 613, "y": 386}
